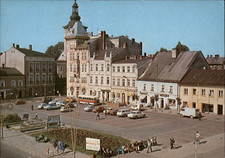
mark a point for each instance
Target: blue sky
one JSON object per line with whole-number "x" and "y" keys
{"x": 197, "y": 24}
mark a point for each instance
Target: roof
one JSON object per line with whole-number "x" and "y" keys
{"x": 107, "y": 52}
{"x": 130, "y": 61}
{"x": 164, "y": 68}
{"x": 62, "y": 57}
{"x": 8, "y": 71}
{"x": 215, "y": 60}
{"x": 211, "y": 77}
{"x": 29, "y": 52}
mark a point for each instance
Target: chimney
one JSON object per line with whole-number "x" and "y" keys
{"x": 141, "y": 57}
{"x": 174, "y": 53}
{"x": 140, "y": 48}
{"x": 30, "y": 47}
{"x": 103, "y": 39}
{"x": 210, "y": 56}
{"x": 13, "y": 45}
{"x": 17, "y": 46}
{"x": 217, "y": 56}
{"x": 144, "y": 54}
{"x": 133, "y": 40}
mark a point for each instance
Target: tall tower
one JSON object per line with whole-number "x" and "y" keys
{"x": 75, "y": 34}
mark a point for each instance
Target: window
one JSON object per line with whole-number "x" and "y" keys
{"x": 184, "y": 103}
{"x": 163, "y": 88}
{"x": 113, "y": 95}
{"x": 108, "y": 66}
{"x": 31, "y": 67}
{"x": 85, "y": 68}
{"x": 128, "y": 69}
{"x": 71, "y": 67}
{"x": 37, "y": 67}
{"x": 82, "y": 67}
{"x": 78, "y": 56}
{"x": 194, "y": 91}
{"x": 31, "y": 78}
{"x": 203, "y": 92}
{"x": 220, "y": 93}
{"x": 96, "y": 67}
{"x": 43, "y": 77}
{"x": 107, "y": 80}
{"x": 101, "y": 80}
{"x": 118, "y": 95}
{"x": 193, "y": 105}
{"x": 133, "y": 68}
{"x": 114, "y": 82}
{"x": 20, "y": 83}
{"x": 118, "y": 82}
{"x": 91, "y": 67}
{"x": 84, "y": 80}
{"x": 2, "y": 83}
{"x": 123, "y": 82}
{"x": 102, "y": 67}
{"x": 144, "y": 87}
{"x": 211, "y": 93}
{"x": 128, "y": 82}
{"x": 123, "y": 68}
{"x": 118, "y": 68}
{"x": 96, "y": 80}
{"x": 90, "y": 79}
{"x": 152, "y": 87}
{"x": 13, "y": 83}
{"x": 61, "y": 68}
{"x": 114, "y": 68}
{"x": 133, "y": 83}
{"x": 37, "y": 78}
{"x": 50, "y": 67}
{"x": 50, "y": 78}
{"x": 72, "y": 46}
{"x": 185, "y": 91}
{"x": 44, "y": 67}
{"x": 171, "y": 89}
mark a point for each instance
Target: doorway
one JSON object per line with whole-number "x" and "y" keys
{"x": 162, "y": 103}
{"x": 220, "y": 110}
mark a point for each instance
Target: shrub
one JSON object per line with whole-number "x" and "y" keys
{"x": 10, "y": 118}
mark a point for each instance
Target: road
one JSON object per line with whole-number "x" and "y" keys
{"x": 8, "y": 151}
{"x": 155, "y": 124}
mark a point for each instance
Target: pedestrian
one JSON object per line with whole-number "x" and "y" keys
{"x": 32, "y": 107}
{"x": 200, "y": 116}
{"x": 47, "y": 150}
{"x": 97, "y": 116}
{"x": 172, "y": 141}
{"x": 197, "y": 137}
{"x": 36, "y": 115}
{"x": 149, "y": 146}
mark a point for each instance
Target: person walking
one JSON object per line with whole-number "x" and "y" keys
{"x": 149, "y": 146}
{"x": 32, "y": 107}
{"x": 47, "y": 150}
{"x": 197, "y": 137}
{"x": 200, "y": 116}
{"x": 172, "y": 141}
{"x": 97, "y": 116}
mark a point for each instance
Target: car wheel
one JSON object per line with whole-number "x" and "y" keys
{"x": 144, "y": 115}
{"x": 192, "y": 117}
{"x": 125, "y": 115}
{"x": 136, "y": 117}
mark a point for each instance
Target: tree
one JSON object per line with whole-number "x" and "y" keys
{"x": 55, "y": 50}
{"x": 179, "y": 48}
{"x": 163, "y": 49}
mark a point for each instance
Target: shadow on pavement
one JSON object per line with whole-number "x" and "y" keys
{"x": 177, "y": 147}
{"x": 203, "y": 142}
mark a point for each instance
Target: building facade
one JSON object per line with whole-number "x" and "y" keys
{"x": 204, "y": 90}
{"x": 158, "y": 86}
{"x": 216, "y": 62}
{"x": 12, "y": 83}
{"x": 38, "y": 69}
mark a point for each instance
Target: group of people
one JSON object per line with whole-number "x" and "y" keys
{"x": 58, "y": 144}
{"x": 151, "y": 142}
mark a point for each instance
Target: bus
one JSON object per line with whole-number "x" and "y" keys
{"x": 93, "y": 100}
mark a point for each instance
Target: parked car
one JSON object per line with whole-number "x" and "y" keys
{"x": 136, "y": 114}
{"x": 190, "y": 112}
{"x": 42, "y": 105}
{"x": 52, "y": 107}
{"x": 65, "y": 109}
{"x": 137, "y": 107}
{"x": 20, "y": 102}
{"x": 113, "y": 112}
{"x": 106, "y": 111}
{"x": 52, "y": 102}
{"x": 71, "y": 105}
{"x": 61, "y": 103}
{"x": 89, "y": 108}
{"x": 99, "y": 109}
{"x": 123, "y": 112}
{"x": 70, "y": 99}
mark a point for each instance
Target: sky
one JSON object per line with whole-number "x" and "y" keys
{"x": 197, "y": 24}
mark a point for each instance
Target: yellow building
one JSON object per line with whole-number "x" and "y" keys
{"x": 204, "y": 90}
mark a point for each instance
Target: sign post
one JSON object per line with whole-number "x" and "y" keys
{"x": 93, "y": 144}
{"x": 53, "y": 121}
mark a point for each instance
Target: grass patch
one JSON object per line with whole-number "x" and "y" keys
{"x": 106, "y": 140}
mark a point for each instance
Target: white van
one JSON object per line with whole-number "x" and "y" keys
{"x": 191, "y": 112}
{"x": 123, "y": 112}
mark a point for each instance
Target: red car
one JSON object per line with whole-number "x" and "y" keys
{"x": 99, "y": 109}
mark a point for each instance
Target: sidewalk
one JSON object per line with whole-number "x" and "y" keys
{"x": 28, "y": 144}
{"x": 210, "y": 145}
